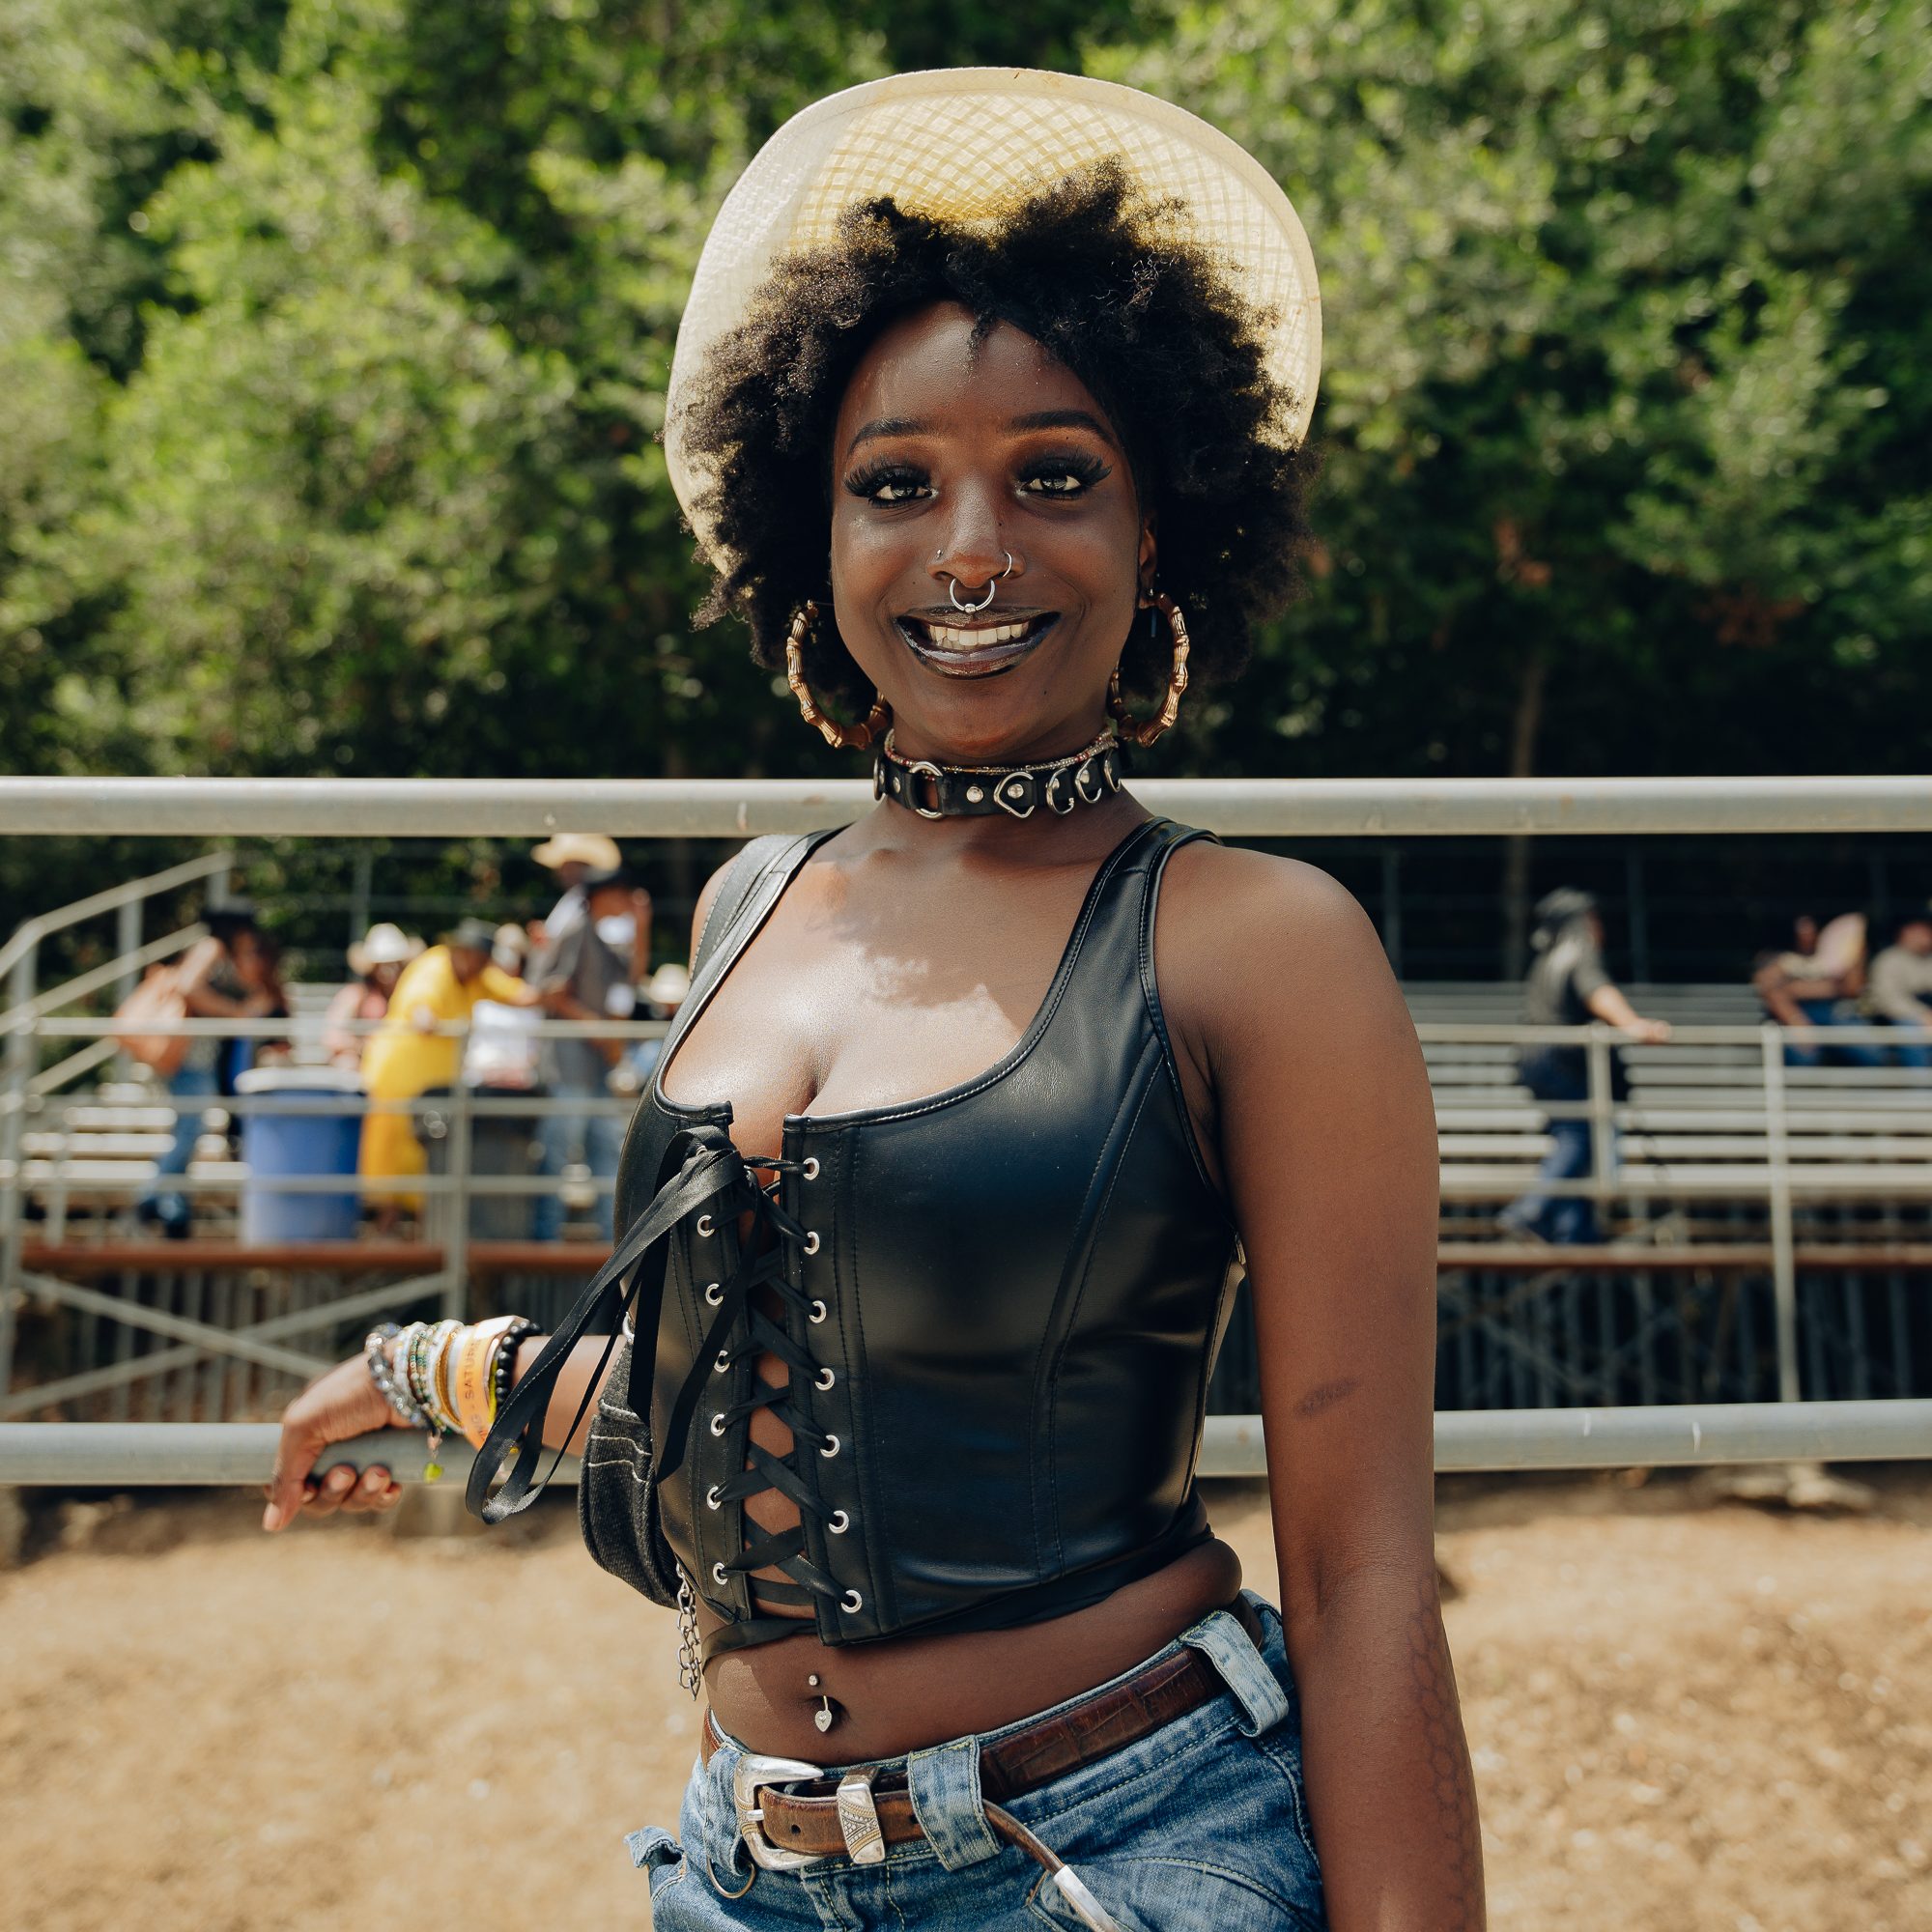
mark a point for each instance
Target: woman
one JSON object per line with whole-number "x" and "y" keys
{"x": 989, "y": 403}
{"x": 377, "y": 959}
{"x": 227, "y": 974}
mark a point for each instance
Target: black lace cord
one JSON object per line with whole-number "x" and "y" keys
{"x": 711, "y": 1170}
{"x": 764, "y": 1266}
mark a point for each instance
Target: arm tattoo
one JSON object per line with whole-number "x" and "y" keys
{"x": 1452, "y": 1784}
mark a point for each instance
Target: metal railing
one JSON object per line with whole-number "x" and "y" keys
{"x": 139, "y": 1455}
{"x": 1246, "y": 807}
{"x": 738, "y": 808}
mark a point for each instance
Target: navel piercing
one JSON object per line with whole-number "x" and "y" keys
{"x": 824, "y": 1718}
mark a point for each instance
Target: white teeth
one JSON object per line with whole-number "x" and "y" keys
{"x": 974, "y": 637}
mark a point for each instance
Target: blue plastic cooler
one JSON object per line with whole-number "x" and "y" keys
{"x": 298, "y": 1143}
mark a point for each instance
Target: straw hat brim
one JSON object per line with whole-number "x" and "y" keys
{"x": 581, "y": 848}
{"x": 383, "y": 946}
{"x": 966, "y": 145}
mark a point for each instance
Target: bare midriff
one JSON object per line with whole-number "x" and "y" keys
{"x": 904, "y": 1693}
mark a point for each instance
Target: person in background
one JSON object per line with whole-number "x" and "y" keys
{"x": 572, "y": 856}
{"x": 665, "y": 991}
{"x": 1569, "y": 986}
{"x": 591, "y": 974}
{"x": 409, "y": 1053}
{"x": 1899, "y": 989}
{"x": 257, "y": 965}
{"x": 1814, "y": 984}
{"x": 512, "y": 950}
{"x": 377, "y": 959}
{"x": 213, "y": 987}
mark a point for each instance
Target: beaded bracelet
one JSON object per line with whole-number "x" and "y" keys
{"x": 503, "y": 1370}
{"x": 375, "y": 1352}
{"x": 415, "y": 1356}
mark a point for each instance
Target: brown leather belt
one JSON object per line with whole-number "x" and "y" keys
{"x": 819, "y": 1817}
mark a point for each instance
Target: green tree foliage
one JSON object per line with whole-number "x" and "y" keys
{"x": 333, "y": 337}
{"x": 1626, "y": 427}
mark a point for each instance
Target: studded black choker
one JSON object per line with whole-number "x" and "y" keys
{"x": 978, "y": 791}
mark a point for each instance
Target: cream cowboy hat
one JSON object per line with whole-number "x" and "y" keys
{"x": 383, "y": 945}
{"x": 579, "y": 848}
{"x": 965, "y": 144}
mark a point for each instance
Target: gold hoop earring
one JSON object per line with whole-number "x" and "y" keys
{"x": 841, "y": 737}
{"x": 1177, "y": 682}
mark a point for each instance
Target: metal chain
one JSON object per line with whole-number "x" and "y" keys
{"x": 689, "y": 1664}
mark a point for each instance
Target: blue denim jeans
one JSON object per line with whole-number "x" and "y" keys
{"x": 169, "y": 1204}
{"x": 1826, "y": 1013}
{"x": 1568, "y": 1219}
{"x": 1202, "y": 1825}
{"x": 595, "y": 1139}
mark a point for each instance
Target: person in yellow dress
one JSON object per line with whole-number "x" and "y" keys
{"x": 408, "y": 1056}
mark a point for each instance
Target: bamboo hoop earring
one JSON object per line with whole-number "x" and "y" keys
{"x": 841, "y": 737}
{"x": 1177, "y": 682}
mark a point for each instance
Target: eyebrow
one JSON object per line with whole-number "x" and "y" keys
{"x": 883, "y": 426}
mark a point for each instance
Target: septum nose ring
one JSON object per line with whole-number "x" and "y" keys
{"x": 992, "y": 585}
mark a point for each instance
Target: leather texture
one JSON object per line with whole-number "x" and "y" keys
{"x": 1018, "y": 1286}
{"x": 988, "y": 792}
{"x": 804, "y": 1815}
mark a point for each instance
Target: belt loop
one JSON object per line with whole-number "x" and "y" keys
{"x": 945, "y": 1785}
{"x": 721, "y": 1838}
{"x": 1231, "y": 1650}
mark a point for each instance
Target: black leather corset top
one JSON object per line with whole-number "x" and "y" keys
{"x": 996, "y": 1308}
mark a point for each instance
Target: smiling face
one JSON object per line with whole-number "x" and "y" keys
{"x": 948, "y": 456}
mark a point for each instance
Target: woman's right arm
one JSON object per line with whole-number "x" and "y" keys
{"x": 346, "y": 1403}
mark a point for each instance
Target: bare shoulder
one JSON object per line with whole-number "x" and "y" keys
{"x": 1249, "y": 945}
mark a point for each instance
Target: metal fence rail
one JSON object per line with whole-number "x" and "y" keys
{"x": 243, "y": 1335}
{"x": 737, "y": 807}
{"x": 132, "y": 1454}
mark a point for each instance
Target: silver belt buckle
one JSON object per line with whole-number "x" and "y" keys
{"x": 753, "y": 1771}
{"x": 859, "y": 1819}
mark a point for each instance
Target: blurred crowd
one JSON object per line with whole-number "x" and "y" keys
{"x": 1817, "y": 977}
{"x": 417, "y": 1019}
{"x": 1820, "y": 977}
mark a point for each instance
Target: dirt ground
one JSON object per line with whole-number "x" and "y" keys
{"x": 1687, "y": 1716}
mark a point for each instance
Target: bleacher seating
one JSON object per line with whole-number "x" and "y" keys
{"x": 1695, "y": 1128}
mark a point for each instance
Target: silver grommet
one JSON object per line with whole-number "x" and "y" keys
{"x": 717, "y": 1423}
{"x": 712, "y": 1499}
{"x": 811, "y": 1241}
{"x": 831, "y": 1448}
{"x": 714, "y": 1294}
{"x": 720, "y": 1575}
{"x": 724, "y": 1360}
{"x": 819, "y": 1311}
{"x": 823, "y": 1379}
{"x": 840, "y": 1522}
{"x": 811, "y": 1167}
{"x": 706, "y": 1225}
{"x": 851, "y": 1603}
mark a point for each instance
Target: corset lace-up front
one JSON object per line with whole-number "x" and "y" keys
{"x": 742, "y": 1333}
{"x": 715, "y": 1203}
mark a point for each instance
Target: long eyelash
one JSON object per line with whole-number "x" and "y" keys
{"x": 1085, "y": 468}
{"x": 863, "y": 482}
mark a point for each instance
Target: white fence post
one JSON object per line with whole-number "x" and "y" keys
{"x": 1783, "y": 1260}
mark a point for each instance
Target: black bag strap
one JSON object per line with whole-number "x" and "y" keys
{"x": 700, "y": 1166}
